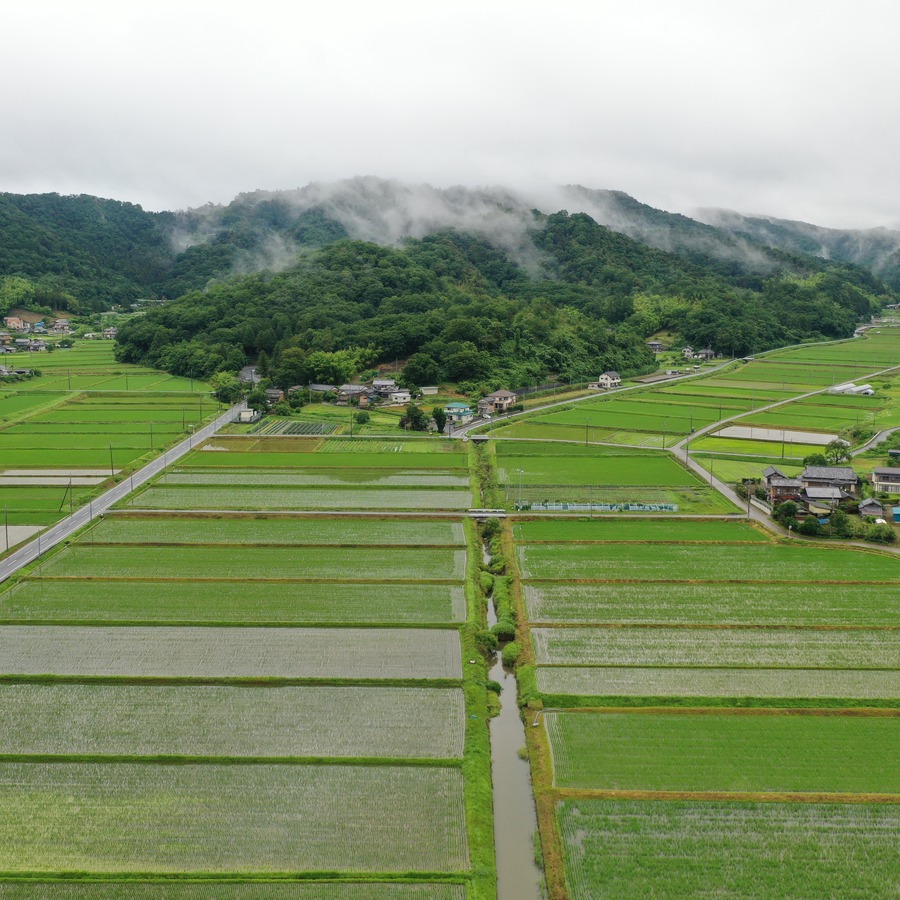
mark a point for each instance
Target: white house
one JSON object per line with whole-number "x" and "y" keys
{"x": 687, "y": 352}
{"x": 606, "y": 381}
{"x": 400, "y": 396}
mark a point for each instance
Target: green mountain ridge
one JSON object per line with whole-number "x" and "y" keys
{"x": 474, "y": 286}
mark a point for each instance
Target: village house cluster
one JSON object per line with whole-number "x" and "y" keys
{"x": 820, "y": 489}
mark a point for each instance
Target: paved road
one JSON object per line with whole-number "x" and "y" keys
{"x": 63, "y": 529}
{"x": 503, "y": 419}
{"x": 879, "y": 438}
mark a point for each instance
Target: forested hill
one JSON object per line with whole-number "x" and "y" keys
{"x": 474, "y": 285}
{"x": 81, "y": 253}
{"x": 875, "y": 249}
{"x": 462, "y": 309}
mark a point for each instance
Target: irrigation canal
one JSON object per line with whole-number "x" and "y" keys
{"x": 515, "y": 819}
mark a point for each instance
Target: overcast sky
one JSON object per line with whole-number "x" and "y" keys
{"x": 787, "y": 108}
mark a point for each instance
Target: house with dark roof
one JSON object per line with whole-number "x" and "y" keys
{"x": 886, "y": 478}
{"x": 871, "y": 507}
{"x": 841, "y": 477}
{"x": 606, "y": 381}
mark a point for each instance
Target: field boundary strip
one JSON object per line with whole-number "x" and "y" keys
{"x": 735, "y": 796}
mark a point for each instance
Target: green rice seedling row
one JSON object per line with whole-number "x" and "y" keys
{"x": 120, "y": 529}
{"x": 191, "y": 652}
{"x": 730, "y": 470}
{"x": 792, "y": 648}
{"x": 319, "y": 477}
{"x": 604, "y": 470}
{"x": 223, "y": 890}
{"x": 77, "y": 601}
{"x": 666, "y": 684}
{"x": 639, "y": 530}
{"x": 788, "y": 450}
{"x": 121, "y": 817}
{"x": 264, "y": 458}
{"x": 231, "y": 721}
{"x": 667, "y": 562}
{"x": 630, "y": 849}
{"x": 160, "y": 496}
{"x": 721, "y": 752}
{"x": 711, "y": 603}
{"x": 250, "y": 563}
{"x": 18, "y": 403}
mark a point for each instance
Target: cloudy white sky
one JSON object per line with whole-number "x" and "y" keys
{"x": 787, "y": 108}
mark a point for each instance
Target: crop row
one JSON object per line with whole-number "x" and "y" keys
{"x": 249, "y": 563}
{"x": 723, "y": 752}
{"x": 796, "y": 685}
{"x": 210, "y": 602}
{"x": 201, "y": 498}
{"x": 795, "y": 648}
{"x": 191, "y": 652}
{"x": 231, "y": 721}
{"x": 709, "y": 603}
{"x": 675, "y": 849}
{"x": 273, "y": 531}
{"x": 673, "y": 562}
{"x": 120, "y": 817}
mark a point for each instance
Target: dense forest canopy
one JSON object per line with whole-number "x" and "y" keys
{"x": 463, "y": 310}
{"x": 507, "y": 298}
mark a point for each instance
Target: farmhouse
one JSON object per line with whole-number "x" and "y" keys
{"x": 706, "y": 354}
{"x": 498, "y": 402}
{"x": 655, "y": 346}
{"x": 823, "y": 497}
{"x": 399, "y": 396}
{"x": 886, "y": 479}
{"x": 110, "y": 333}
{"x": 779, "y": 487}
{"x": 606, "y": 381}
{"x": 317, "y": 388}
{"x": 61, "y": 326}
{"x": 384, "y": 387}
{"x": 14, "y": 323}
{"x": 687, "y": 352}
{"x": 871, "y": 507}
{"x": 841, "y": 477}
{"x": 459, "y": 413}
{"x": 274, "y": 395}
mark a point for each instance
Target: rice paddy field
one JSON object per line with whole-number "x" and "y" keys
{"x": 724, "y": 751}
{"x": 258, "y": 890}
{"x": 543, "y": 475}
{"x": 689, "y": 669}
{"x": 314, "y": 474}
{"x": 663, "y": 414}
{"x": 222, "y": 698}
{"x": 262, "y": 818}
{"x": 86, "y": 413}
{"x": 682, "y": 848}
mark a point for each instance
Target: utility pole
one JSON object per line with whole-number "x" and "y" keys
{"x": 6, "y": 519}
{"x": 112, "y": 470}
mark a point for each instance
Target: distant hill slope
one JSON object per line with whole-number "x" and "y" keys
{"x": 875, "y": 249}
{"x": 99, "y": 251}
